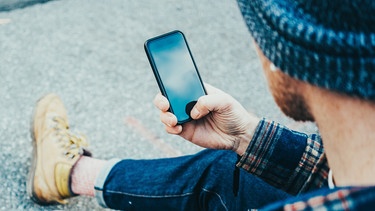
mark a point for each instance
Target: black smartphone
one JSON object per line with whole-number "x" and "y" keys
{"x": 175, "y": 72}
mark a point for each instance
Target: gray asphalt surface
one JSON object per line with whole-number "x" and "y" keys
{"x": 90, "y": 52}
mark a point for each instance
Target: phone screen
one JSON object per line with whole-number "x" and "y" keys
{"x": 176, "y": 73}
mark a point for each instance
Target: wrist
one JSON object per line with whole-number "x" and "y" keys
{"x": 244, "y": 139}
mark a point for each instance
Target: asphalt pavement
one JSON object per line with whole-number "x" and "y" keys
{"x": 90, "y": 52}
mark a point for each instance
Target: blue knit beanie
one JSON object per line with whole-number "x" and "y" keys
{"x": 328, "y": 43}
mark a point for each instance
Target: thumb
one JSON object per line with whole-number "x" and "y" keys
{"x": 207, "y": 104}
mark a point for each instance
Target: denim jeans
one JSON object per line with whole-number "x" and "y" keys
{"x": 203, "y": 181}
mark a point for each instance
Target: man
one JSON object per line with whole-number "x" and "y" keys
{"x": 319, "y": 61}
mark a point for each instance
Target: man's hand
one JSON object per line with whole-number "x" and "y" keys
{"x": 220, "y": 122}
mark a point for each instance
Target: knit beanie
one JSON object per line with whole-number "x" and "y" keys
{"x": 327, "y": 43}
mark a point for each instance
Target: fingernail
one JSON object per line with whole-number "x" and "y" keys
{"x": 170, "y": 121}
{"x": 162, "y": 103}
{"x": 194, "y": 113}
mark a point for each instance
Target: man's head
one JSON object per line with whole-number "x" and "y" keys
{"x": 325, "y": 44}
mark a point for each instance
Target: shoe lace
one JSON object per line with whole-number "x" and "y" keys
{"x": 72, "y": 144}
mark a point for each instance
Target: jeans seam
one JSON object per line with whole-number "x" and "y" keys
{"x": 149, "y": 196}
{"x": 170, "y": 196}
{"x": 218, "y": 195}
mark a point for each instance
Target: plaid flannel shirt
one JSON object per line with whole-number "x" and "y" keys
{"x": 296, "y": 163}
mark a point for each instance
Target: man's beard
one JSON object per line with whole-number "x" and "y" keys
{"x": 287, "y": 94}
{"x": 287, "y": 91}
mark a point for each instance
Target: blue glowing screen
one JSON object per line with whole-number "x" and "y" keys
{"x": 176, "y": 70}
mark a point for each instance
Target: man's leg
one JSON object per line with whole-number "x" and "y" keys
{"x": 61, "y": 169}
{"x": 203, "y": 181}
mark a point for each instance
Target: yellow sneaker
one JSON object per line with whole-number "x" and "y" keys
{"x": 55, "y": 152}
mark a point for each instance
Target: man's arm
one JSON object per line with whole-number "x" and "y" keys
{"x": 286, "y": 159}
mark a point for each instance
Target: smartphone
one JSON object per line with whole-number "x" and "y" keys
{"x": 176, "y": 72}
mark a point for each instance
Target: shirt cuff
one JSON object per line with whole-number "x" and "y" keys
{"x": 274, "y": 153}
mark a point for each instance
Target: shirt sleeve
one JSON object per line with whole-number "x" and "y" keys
{"x": 344, "y": 198}
{"x": 286, "y": 159}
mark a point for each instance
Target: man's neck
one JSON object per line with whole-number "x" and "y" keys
{"x": 347, "y": 127}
